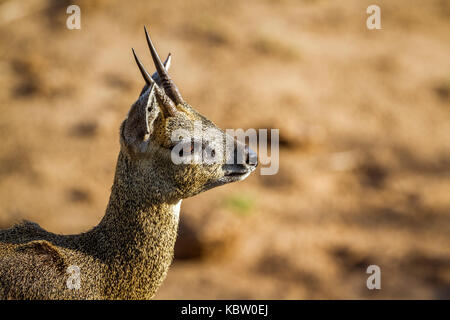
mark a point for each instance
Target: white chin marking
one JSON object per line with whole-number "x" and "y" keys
{"x": 176, "y": 210}
{"x": 245, "y": 176}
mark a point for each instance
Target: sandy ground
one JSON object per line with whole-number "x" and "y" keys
{"x": 364, "y": 119}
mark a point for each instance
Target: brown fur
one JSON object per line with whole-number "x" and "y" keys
{"x": 128, "y": 254}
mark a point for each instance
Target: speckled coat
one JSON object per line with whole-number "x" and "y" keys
{"x": 127, "y": 255}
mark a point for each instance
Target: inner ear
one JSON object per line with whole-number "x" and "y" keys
{"x": 139, "y": 124}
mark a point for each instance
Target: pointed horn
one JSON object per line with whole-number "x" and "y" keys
{"x": 163, "y": 99}
{"x": 167, "y": 64}
{"x": 155, "y": 75}
{"x": 148, "y": 79}
{"x": 169, "y": 86}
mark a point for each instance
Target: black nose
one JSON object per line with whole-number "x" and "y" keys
{"x": 251, "y": 158}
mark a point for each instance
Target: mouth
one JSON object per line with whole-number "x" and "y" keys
{"x": 231, "y": 176}
{"x": 237, "y": 176}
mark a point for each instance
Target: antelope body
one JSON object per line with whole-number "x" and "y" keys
{"x": 127, "y": 255}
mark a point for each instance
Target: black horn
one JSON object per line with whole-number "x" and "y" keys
{"x": 169, "y": 86}
{"x": 167, "y": 64}
{"x": 163, "y": 99}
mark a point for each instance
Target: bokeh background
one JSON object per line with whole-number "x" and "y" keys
{"x": 364, "y": 119}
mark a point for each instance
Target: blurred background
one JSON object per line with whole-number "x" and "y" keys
{"x": 364, "y": 119}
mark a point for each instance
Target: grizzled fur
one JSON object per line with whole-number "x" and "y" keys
{"x": 128, "y": 254}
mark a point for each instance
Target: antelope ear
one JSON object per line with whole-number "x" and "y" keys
{"x": 138, "y": 126}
